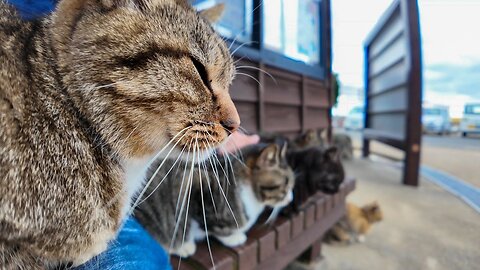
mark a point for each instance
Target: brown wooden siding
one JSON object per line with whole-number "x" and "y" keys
{"x": 287, "y": 103}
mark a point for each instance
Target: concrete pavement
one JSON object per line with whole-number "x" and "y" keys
{"x": 423, "y": 228}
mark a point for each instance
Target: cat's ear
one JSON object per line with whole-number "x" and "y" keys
{"x": 268, "y": 157}
{"x": 332, "y": 154}
{"x": 213, "y": 14}
{"x": 323, "y": 134}
{"x": 283, "y": 152}
{"x": 311, "y": 135}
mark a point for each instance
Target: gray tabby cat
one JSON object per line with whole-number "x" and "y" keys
{"x": 211, "y": 198}
{"x": 88, "y": 96}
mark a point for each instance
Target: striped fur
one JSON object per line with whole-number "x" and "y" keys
{"x": 84, "y": 93}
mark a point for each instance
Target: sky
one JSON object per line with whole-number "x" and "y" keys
{"x": 451, "y": 47}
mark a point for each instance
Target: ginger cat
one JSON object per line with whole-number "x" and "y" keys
{"x": 355, "y": 224}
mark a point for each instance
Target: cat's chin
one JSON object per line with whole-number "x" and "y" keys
{"x": 198, "y": 156}
{"x": 186, "y": 157}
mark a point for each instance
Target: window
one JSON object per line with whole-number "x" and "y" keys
{"x": 236, "y": 22}
{"x": 292, "y": 28}
{"x": 472, "y": 109}
{"x": 281, "y": 33}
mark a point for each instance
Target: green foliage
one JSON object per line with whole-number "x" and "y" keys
{"x": 335, "y": 88}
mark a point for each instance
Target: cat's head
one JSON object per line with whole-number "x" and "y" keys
{"x": 326, "y": 171}
{"x": 271, "y": 177}
{"x": 145, "y": 72}
{"x": 372, "y": 212}
{"x": 310, "y": 138}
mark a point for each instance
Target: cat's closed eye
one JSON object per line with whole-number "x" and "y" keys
{"x": 202, "y": 71}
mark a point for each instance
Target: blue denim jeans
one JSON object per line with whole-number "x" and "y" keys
{"x": 134, "y": 249}
{"x": 31, "y": 9}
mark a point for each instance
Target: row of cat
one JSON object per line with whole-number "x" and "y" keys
{"x": 223, "y": 196}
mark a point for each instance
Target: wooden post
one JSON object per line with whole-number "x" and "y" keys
{"x": 413, "y": 128}
{"x": 366, "y": 142}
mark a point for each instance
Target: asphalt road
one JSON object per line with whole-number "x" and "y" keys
{"x": 451, "y": 154}
{"x": 453, "y": 141}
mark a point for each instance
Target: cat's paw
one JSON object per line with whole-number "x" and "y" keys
{"x": 186, "y": 250}
{"x": 233, "y": 240}
{"x": 361, "y": 238}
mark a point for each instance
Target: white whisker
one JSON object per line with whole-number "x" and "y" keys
{"x": 187, "y": 187}
{"x": 164, "y": 177}
{"x": 158, "y": 169}
{"x": 248, "y": 75}
{"x": 204, "y": 216}
{"x": 207, "y": 176}
{"x": 259, "y": 69}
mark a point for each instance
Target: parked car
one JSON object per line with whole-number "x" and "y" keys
{"x": 355, "y": 119}
{"x": 471, "y": 119}
{"x": 436, "y": 119}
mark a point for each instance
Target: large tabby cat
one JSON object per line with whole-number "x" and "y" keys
{"x": 211, "y": 198}
{"x": 88, "y": 96}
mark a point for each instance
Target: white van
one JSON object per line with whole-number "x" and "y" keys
{"x": 471, "y": 119}
{"x": 436, "y": 119}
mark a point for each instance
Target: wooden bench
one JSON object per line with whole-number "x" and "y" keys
{"x": 275, "y": 246}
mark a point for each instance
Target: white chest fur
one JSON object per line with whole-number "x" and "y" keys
{"x": 253, "y": 207}
{"x": 135, "y": 173}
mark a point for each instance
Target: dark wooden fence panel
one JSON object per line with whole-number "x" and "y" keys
{"x": 289, "y": 103}
{"x": 393, "y": 85}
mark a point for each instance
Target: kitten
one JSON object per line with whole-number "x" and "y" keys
{"x": 355, "y": 224}
{"x": 344, "y": 144}
{"x": 310, "y": 138}
{"x": 316, "y": 169}
{"x": 279, "y": 139}
{"x": 88, "y": 96}
{"x": 226, "y": 206}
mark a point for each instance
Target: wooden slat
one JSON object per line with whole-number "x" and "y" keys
{"x": 266, "y": 240}
{"x": 328, "y": 203}
{"x": 248, "y": 115}
{"x": 390, "y": 123}
{"x": 247, "y": 255}
{"x": 281, "y": 74}
{"x": 388, "y": 58}
{"x": 297, "y": 224}
{"x": 393, "y": 139}
{"x": 316, "y": 94}
{"x": 320, "y": 205}
{"x": 244, "y": 88}
{"x": 316, "y": 118}
{"x": 283, "y": 91}
{"x": 282, "y": 229}
{"x": 309, "y": 216}
{"x": 392, "y": 78}
{"x": 223, "y": 259}
{"x": 282, "y": 118}
{"x": 390, "y": 31}
{"x": 382, "y": 22}
{"x": 390, "y": 101}
{"x": 261, "y": 100}
{"x": 183, "y": 264}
